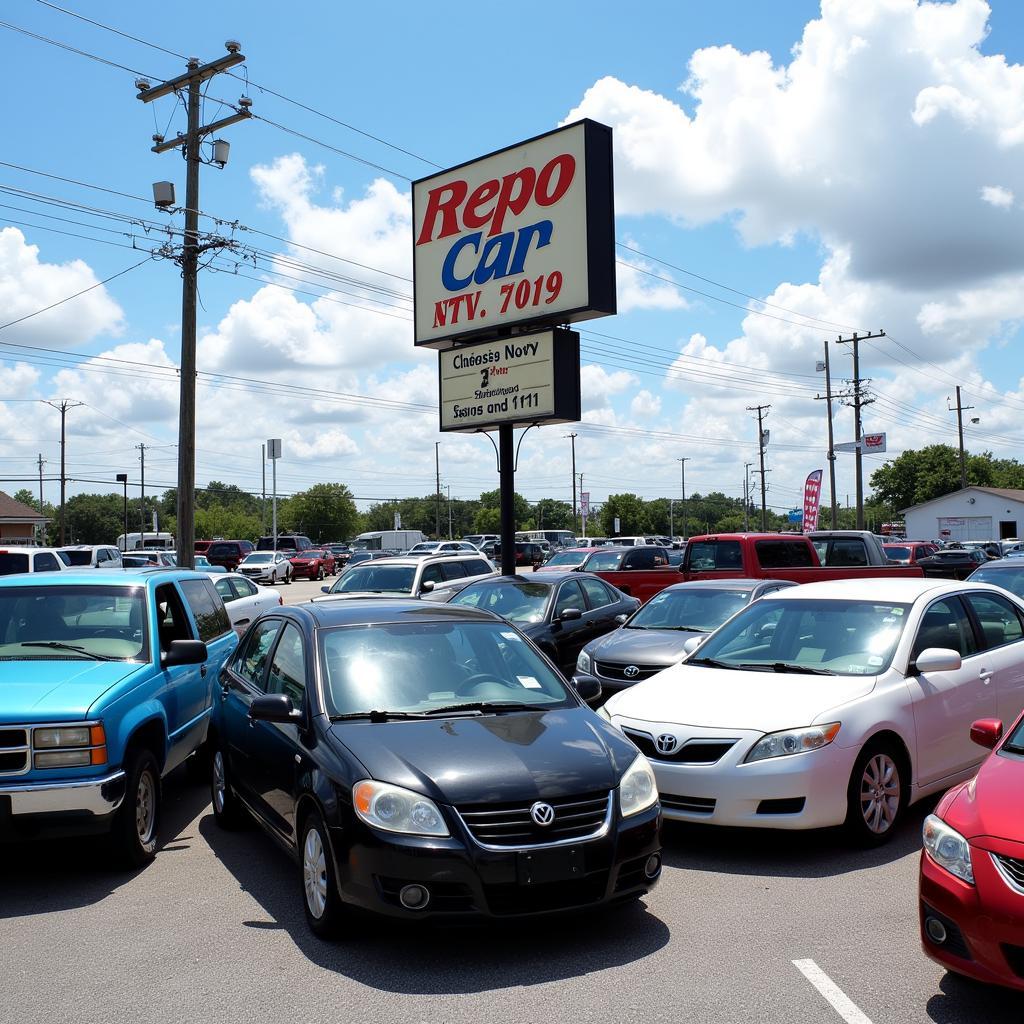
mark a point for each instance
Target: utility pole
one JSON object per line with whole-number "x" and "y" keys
{"x": 62, "y": 408}
{"x": 762, "y": 411}
{"x": 671, "y": 518}
{"x": 42, "y": 462}
{"x": 831, "y": 443}
{"x": 682, "y": 470}
{"x": 960, "y": 410}
{"x": 859, "y": 401}
{"x": 190, "y": 144}
{"x": 122, "y": 478}
{"x": 575, "y": 522}
{"x": 437, "y": 493}
{"x": 263, "y": 500}
{"x": 142, "y": 499}
{"x": 746, "y": 496}
{"x": 449, "y": 511}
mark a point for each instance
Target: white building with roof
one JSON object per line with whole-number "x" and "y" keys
{"x": 973, "y": 513}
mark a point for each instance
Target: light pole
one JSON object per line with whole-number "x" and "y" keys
{"x": 122, "y": 478}
{"x": 575, "y": 522}
{"x": 682, "y": 471}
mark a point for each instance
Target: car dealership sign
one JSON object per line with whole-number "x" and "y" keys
{"x": 524, "y": 237}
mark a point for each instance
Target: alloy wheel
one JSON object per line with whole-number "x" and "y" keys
{"x": 145, "y": 807}
{"x": 314, "y": 873}
{"x": 880, "y": 793}
{"x": 219, "y": 782}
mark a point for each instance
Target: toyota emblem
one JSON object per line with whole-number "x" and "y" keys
{"x": 543, "y": 814}
{"x": 666, "y": 743}
{"x": 631, "y": 671}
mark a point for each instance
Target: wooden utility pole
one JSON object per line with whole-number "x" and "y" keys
{"x": 62, "y": 408}
{"x": 190, "y": 143}
{"x": 575, "y": 522}
{"x": 859, "y": 401}
{"x": 831, "y": 439}
{"x": 762, "y": 411}
{"x": 682, "y": 471}
{"x": 437, "y": 492}
{"x": 960, "y": 410}
{"x": 142, "y": 498}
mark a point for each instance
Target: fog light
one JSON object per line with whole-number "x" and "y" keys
{"x": 414, "y": 897}
{"x": 653, "y": 866}
{"x": 936, "y": 930}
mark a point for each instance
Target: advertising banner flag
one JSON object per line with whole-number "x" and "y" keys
{"x": 812, "y": 500}
{"x": 585, "y": 502}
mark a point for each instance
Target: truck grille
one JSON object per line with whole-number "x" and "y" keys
{"x": 1011, "y": 869}
{"x": 576, "y": 817}
{"x": 618, "y": 672}
{"x": 14, "y": 752}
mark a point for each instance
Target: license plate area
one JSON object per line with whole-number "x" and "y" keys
{"x": 539, "y": 867}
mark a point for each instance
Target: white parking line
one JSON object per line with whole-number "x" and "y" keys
{"x": 836, "y": 997}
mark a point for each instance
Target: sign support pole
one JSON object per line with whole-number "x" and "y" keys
{"x": 507, "y": 484}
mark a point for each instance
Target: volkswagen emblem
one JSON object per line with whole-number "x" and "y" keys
{"x": 631, "y": 671}
{"x": 666, "y": 743}
{"x": 543, "y": 814}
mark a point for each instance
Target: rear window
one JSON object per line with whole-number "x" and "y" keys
{"x": 11, "y": 562}
{"x": 221, "y": 550}
{"x": 604, "y": 561}
{"x": 715, "y": 554}
{"x": 784, "y": 554}
{"x": 207, "y": 608}
{"x": 76, "y": 557}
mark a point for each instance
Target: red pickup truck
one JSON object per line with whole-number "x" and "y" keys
{"x": 778, "y": 556}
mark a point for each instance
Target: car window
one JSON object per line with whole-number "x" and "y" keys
{"x": 714, "y": 554}
{"x": 779, "y": 554}
{"x": 288, "y": 669}
{"x": 847, "y": 551}
{"x": 604, "y": 561}
{"x": 45, "y": 562}
{"x": 172, "y": 623}
{"x": 252, "y": 655}
{"x": 999, "y": 621}
{"x": 945, "y": 624}
{"x": 598, "y": 595}
{"x": 226, "y": 590}
{"x": 207, "y": 608}
{"x": 639, "y": 558}
{"x": 477, "y": 568}
{"x": 432, "y": 574}
{"x": 454, "y": 570}
{"x": 244, "y": 587}
{"x": 569, "y": 596}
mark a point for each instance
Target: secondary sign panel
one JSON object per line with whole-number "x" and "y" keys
{"x": 529, "y": 378}
{"x": 524, "y": 236}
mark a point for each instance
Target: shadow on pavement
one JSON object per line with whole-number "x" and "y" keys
{"x": 964, "y": 1001}
{"x": 821, "y": 853}
{"x": 429, "y": 959}
{"x": 61, "y": 874}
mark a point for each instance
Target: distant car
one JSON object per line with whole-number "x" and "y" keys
{"x": 244, "y": 599}
{"x": 203, "y": 564}
{"x": 312, "y": 564}
{"x": 91, "y": 556}
{"x": 267, "y": 567}
{"x": 972, "y": 866}
{"x": 611, "y": 559}
{"x": 953, "y": 563}
{"x": 908, "y": 552}
{"x": 284, "y": 542}
{"x": 358, "y": 557}
{"x": 559, "y": 612}
{"x": 654, "y": 637}
{"x": 229, "y": 553}
{"x": 437, "y": 576}
{"x": 569, "y": 558}
{"x": 342, "y": 553}
{"x": 200, "y": 547}
{"x": 442, "y": 547}
{"x": 477, "y": 539}
{"x": 24, "y": 559}
{"x": 528, "y": 553}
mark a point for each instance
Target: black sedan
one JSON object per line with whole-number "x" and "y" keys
{"x": 425, "y": 760}
{"x": 654, "y": 638}
{"x": 953, "y": 563}
{"x": 559, "y": 611}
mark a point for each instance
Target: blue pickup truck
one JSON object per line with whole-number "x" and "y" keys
{"x": 106, "y": 685}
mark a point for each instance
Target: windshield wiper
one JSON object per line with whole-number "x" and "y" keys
{"x": 485, "y": 705}
{"x": 713, "y": 663}
{"x": 784, "y": 666}
{"x": 685, "y": 629}
{"x": 56, "y": 645}
{"x": 377, "y": 715}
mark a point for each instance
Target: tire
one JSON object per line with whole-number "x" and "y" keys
{"x": 321, "y": 574}
{"x": 876, "y": 798}
{"x": 137, "y": 821}
{"x": 227, "y": 808}
{"x": 288, "y": 576}
{"x": 320, "y": 899}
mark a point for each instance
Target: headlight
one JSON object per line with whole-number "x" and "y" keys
{"x": 584, "y": 663}
{"x": 69, "y": 746}
{"x": 947, "y": 848}
{"x": 637, "y": 790}
{"x": 397, "y": 810}
{"x": 67, "y": 736}
{"x": 793, "y": 741}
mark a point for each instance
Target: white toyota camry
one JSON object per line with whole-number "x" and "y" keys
{"x": 830, "y": 703}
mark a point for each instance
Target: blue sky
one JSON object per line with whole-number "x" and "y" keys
{"x": 870, "y": 180}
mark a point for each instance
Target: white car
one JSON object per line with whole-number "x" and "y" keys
{"x": 25, "y": 559}
{"x": 830, "y": 703}
{"x": 267, "y": 566}
{"x": 243, "y": 599}
{"x": 91, "y": 556}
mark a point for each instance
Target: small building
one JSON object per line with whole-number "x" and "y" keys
{"x": 20, "y": 524}
{"x": 973, "y": 513}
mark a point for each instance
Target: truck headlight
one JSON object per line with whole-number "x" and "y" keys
{"x": 793, "y": 741}
{"x": 947, "y": 848}
{"x": 397, "y": 810}
{"x": 69, "y": 746}
{"x": 637, "y": 789}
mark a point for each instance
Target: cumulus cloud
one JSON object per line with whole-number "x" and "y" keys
{"x": 641, "y": 284}
{"x": 645, "y": 405}
{"x": 996, "y": 195}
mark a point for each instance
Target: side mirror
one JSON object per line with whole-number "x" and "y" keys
{"x": 587, "y": 688}
{"x": 274, "y": 707}
{"x": 682, "y": 567}
{"x": 620, "y": 619}
{"x": 325, "y": 590}
{"x": 692, "y": 644}
{"x": 570, "y": 615}
{"x": 427, "y": 586}
{"x": 987, "y": 732}
{"x": 937, "y": 659}
{"x": 184, "y": 652}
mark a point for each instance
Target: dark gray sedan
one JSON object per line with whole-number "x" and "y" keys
{"x": 652, "y": 638}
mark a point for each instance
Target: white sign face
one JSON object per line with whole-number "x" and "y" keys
{"x": 874, "y": 442}
{"x": 274, "y": 448}
{"x": 504, "y": 381}
{"x": 506, "y": 240}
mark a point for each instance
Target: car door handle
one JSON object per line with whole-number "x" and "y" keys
{"x": 986, "y": 674}
{"x": 203, "y": 670}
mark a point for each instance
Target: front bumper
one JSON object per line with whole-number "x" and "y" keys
{"x": 984, "y": 923}
{"x": 81, "y": 805}
{"x": 466, "y": 881}
{"x": 265, "y": 578}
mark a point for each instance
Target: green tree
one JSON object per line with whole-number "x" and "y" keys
{"x": 551, "y": 514}
{"x": 523, "y": 509}
{"x": 631, "y": 512}
{"x": 94, "y": 518}
{"x": 487, "y": 520}
{"x": 921, "y": 475}
{"x": 324, "y": 512}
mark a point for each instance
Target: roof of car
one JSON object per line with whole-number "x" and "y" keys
{"x": 105, "y": 577}
{"x": 549, "y": 578}
{"x": 368, "y": 611}
{"x": 870, "y": 588}
{"x": 443, "y": 556}
{"x": 740, "y": 583}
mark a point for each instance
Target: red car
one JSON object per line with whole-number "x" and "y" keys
{"x": 313, "y": 563}
{"x": 908, "y": 552}
{"x": 972, "y": 866}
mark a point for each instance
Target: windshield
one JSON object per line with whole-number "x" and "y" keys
{"x": 836, "y": 637}
{"x": 258, "y": 558}
{"x": 75, "y": 557}
{"x": 429, "y": 545}
{"x": 897, "y": 553}
{"x": 565, "y": 558}
{"x": 1009, "y": 579}
{"x": 699, "y": 609}
{"x": 78, "y": 623}
{"x": 428, "y": 666}
{"x": 517, "y": 602}
{"x": 604, "y": 560}
{"x": 377, "y": 579}
{"x": 1015, "y": 741}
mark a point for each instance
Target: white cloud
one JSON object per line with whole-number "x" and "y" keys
{"x": 639, "y": 284}
{"x": 996, "y": 195}
{"x": 645, "y": 405}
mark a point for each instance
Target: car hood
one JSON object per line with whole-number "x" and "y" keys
{"x": 515, "y": 756}
{"x": 46, "y": 690}
{"x": 734, "y": 699}
{"x": 989, "y": 805}
{"x": 646, "y": 646}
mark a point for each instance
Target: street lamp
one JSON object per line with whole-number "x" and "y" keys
{"x": 122, "y": 478}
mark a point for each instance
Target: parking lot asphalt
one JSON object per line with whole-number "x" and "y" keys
{"x": 214, "y": 930}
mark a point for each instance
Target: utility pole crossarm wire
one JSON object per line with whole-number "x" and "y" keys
{"x": 190, "y": 143}
{"x": 62, "y": 407}
{"x": 762, "y": 411}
